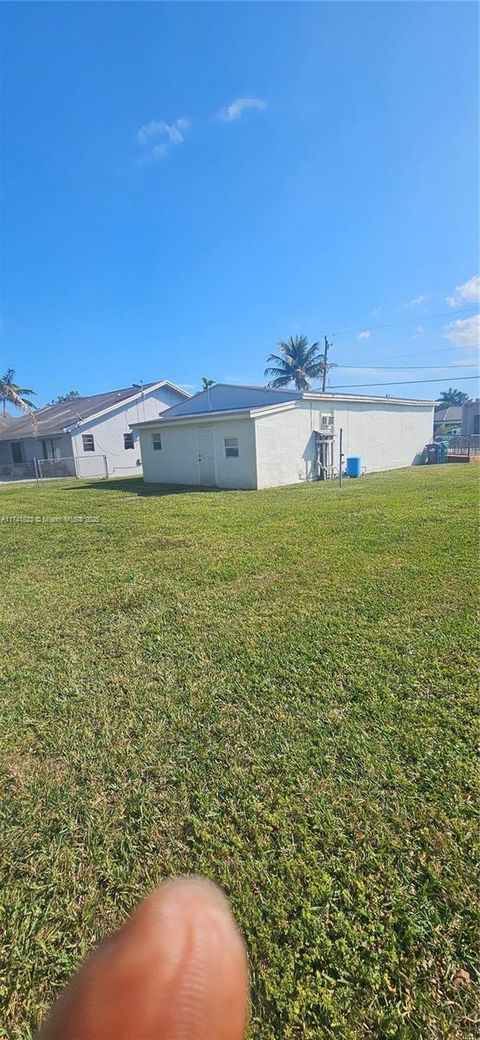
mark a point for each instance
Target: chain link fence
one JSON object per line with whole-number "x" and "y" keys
{"x": 80, "y": 467}
{"x": 75, "y": 467}
{"x": 10, "y": 471}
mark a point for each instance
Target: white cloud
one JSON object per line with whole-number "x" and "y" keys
{"x": 365, "y": 334}
{"x": 464, "y": 332}
{"x": 158, "y": 137}
{"x": 469, "y": 292}
{"x": 376, "y": 312}
{"x": 235, "y": 109}
{"x": 418, "y": 332}
{"x": 417, "y": 300}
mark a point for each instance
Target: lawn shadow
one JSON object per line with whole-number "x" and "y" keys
{"x": 136, "y": 486}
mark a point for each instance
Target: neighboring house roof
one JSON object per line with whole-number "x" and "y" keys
{"x": 452, "y": 414}
{"x": 57, "y": 418}
{"x": 253, "y": 401}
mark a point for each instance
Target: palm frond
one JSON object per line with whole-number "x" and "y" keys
{"x": 275, "y": 357}
{"x": 7, "y": 393}
{"x": 278, "y": 373}
{"x": 313, "y": 353}
{"x": 279, "y": 382}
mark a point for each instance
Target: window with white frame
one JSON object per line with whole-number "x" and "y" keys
{"x": 327, "y": 422}
{"x": 157, "y": 442}
{"x": 231, "y": 447}
{"x": 128, "y": 441}
{"x": 88, "y": 442}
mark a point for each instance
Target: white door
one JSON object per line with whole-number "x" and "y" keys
{"x": 206, "y": 456}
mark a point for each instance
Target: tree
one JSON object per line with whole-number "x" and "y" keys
{"x": 207, "y": 383}
{"x": 297, "y": 363}
{"x": 73, "y": 395}
{"x": 12, "y": 393}
{"x": 452, "y": 396}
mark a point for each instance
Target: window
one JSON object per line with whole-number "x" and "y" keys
{"x": 128, "y": 441}
{"x": 327, "y": 422}
{"x": 18, "y": 454}
{"x": 51, "y": 449}
{"x": 231, "y": 447}
{"x": 157, "y": 442}
{"x": 88, "y": 442}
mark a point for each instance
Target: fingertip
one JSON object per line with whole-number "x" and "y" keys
{"x": 177, "y": 968}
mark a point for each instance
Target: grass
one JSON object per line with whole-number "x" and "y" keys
{"x": 277, "y": 689}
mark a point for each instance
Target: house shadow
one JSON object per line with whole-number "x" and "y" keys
{"x": 136, "y": 486}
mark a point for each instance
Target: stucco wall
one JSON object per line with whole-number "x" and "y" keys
{"x": 386, "y": 436}
{"x": 33, "y": 448}
{"x": 177, "y": 461}
{"x": 286, "y": 444}
{"x": 108, "y": 434}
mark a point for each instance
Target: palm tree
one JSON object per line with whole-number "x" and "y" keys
{"x": 207, "y": 383}
{"x": 297, "y": 363}
{"x": 452, "y": 396}
{"x": 12, "y": 393}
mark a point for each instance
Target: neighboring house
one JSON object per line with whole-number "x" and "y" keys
{"x": 88, "y": 437}
{"x": 471, "y": 418}
{"x": 446, "y": 419}
{"x": 251, "y": 437}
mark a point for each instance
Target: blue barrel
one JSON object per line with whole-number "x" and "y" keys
{"x": 354, "y": 466}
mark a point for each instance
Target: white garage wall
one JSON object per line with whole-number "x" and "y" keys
{"x": 286, "y": 444}
{"x": 177, "y": 461}
{"x": 386, "y": 436}
{"x": 238, "y": 472}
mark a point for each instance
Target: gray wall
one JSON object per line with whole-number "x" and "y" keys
{"x": 469, "y": 411}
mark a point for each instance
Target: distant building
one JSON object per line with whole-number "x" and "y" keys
{"x": 471, "y": 418}
{"x": 87, "y": 437}
{"x": 447, "y": 418}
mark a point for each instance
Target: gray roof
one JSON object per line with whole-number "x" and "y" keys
{"x": 226, "y": 399}
{"x": 451, "y": 414}
{"x": 54, "y": 418}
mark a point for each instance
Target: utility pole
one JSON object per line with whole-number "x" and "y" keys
{"x": 325, "y": 366}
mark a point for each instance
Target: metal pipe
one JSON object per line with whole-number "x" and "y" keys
{"x": 340, "y": 462}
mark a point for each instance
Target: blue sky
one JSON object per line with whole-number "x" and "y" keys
{"x": 186, "y": 184}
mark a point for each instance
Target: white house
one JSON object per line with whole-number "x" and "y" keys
{"x": 88, "y": 437}
{"x": 253, "y": 437}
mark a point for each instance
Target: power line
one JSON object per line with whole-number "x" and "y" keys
{"x": 411, "y": 368}
{"x": 407, "y": 321}
{"x": 397, "y": 382}
{"x": 425, "y": 353}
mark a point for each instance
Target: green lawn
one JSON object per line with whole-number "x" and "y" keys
{"x": 276, "y": 689}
